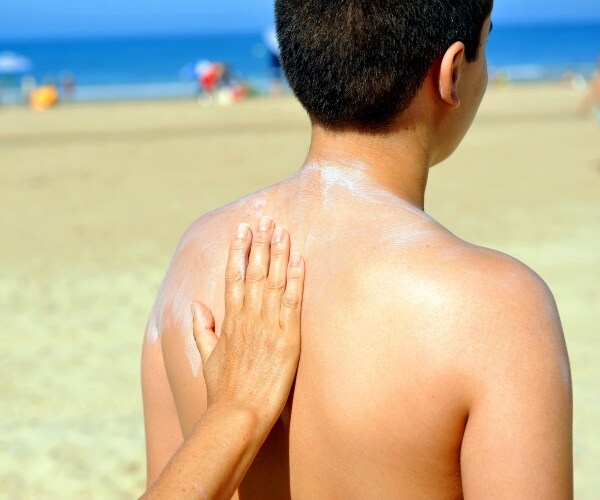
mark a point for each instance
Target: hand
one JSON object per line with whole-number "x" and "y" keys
{"x": 251, "y": 365}
{"x": 249, "y": 369}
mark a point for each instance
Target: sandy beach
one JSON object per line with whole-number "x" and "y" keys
{"x": 93, "y": 199}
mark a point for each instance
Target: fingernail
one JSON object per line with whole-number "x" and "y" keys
{"x": 265, "y": 223}
{"x": 295, "y": 260}
{"x": 278, "y": 235}
{"x": 242, "y": 230}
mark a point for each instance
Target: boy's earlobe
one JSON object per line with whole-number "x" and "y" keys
{"x": 449, "y": 76}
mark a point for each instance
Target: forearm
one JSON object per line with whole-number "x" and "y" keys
{"x": 214, "y": 459}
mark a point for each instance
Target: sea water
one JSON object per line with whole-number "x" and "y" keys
{"x": 544, "y": 52}
{"x": 155, "y": 67}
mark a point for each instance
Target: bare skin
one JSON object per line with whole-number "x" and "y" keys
{"x": 429, "y": 368}
{"x": 592, "y": 96}
{"x": 248, "y": 368}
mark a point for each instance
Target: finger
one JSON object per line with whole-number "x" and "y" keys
{"x": 277, "y": 278}
{"x": 291, "y": 302}
{"x": 235, "y": 270}
{"x": 258, "y": 264}
{"x": 204, "y": 330}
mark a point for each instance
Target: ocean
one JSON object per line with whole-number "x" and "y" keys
{"x": 155, "y": 67}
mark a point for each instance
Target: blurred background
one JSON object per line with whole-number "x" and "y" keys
{"x": 111, "y": 49}
{"x": 122, "y": 121}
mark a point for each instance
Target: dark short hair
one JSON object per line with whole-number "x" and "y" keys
{"x": 359, "y": 63}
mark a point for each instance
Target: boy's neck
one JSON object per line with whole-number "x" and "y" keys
{"x": 398, "y": 161}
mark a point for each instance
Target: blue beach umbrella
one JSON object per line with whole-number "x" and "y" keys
{"x": 192, "y": 70}
{"x": 271, "y": 42}
{"x": 14, "y": 64}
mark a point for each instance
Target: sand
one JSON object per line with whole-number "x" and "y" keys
{"x": 93, "y": 198}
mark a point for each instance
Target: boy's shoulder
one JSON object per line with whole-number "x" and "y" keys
{"x": 214, "y": 228}
{"x": 201, "y": 248}
{"x": 472, "y": 312}
{"x": 482, "y": 292}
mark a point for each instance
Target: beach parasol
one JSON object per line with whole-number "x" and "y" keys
{"x": 193, "y": 70}
{"x": 271, "y": 42}
{"x": 14, "y": 64}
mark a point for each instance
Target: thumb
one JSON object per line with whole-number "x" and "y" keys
{"x": 204, "y": 330}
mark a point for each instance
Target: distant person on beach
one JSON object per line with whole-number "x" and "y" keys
{"x": 429, "y": 367}
{"x": 68, "y": 83}
{"x": 28, "y": 85}
{"x": 591, "y": 101}
{"x": 217, "y": 84}
{"x": 209, "y": 74}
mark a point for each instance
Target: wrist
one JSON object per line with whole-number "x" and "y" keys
{"x": 249, "y": 421}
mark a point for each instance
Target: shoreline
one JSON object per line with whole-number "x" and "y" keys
{"x": 522, "y": 74}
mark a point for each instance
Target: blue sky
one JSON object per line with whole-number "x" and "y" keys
{"x": 76, "y": 18}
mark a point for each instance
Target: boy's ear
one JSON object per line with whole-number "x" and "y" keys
{"x": 450, "y": 71}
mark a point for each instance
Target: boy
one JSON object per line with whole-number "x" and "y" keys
{"x": 429, "y": 367}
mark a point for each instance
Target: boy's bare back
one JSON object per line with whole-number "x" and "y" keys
{"x": 415, "y": 345}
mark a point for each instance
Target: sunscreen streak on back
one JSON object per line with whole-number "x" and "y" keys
{"x": 309, "y": 203}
